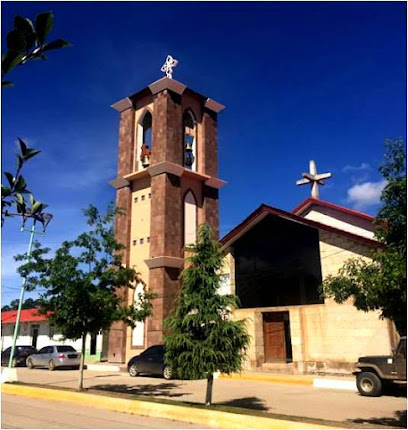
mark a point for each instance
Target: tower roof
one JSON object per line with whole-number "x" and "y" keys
{"x": 166, "y": 84}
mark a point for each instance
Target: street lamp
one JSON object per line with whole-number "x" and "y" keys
{"x": 44, "y": 219}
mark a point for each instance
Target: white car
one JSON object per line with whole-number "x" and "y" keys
{"x": 55, "y": 356}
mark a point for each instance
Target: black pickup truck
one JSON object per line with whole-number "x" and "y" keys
{"x": 374, "y": 372}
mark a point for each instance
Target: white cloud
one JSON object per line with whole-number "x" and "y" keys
{"x": 362, "y": 166}
{"x": 365, "y": 194}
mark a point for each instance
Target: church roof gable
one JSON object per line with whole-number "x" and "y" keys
{"x": 310, "y": 201}
{"x": 265, "y": 210}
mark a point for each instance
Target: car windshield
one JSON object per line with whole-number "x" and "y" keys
{"x": 65, "y": 349}
{"x": 24, "y": 348}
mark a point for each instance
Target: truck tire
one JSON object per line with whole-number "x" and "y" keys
{"x": 369, "y": 384}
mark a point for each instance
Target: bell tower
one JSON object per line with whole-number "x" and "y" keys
{"x": 167, "y": 183}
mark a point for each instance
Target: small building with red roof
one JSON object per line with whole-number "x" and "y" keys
{"x": 276, "y": 262}
{"x": 36, "y": 330}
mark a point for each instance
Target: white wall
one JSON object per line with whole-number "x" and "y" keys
{"x": 25, "y": 337}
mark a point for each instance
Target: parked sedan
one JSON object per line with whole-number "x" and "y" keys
{"x": 20, "y": 355}
{"x": 55, "y": 356}
{"x": 150, "y": 361}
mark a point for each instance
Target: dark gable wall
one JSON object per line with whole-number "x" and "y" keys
{"x": 278, "y": 264}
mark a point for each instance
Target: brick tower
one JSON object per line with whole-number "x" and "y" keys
{"x": 167, "y": 183}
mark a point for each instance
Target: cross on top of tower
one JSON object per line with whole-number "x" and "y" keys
{"x": 313, "y": 178}
{"x": 168, "y": 66}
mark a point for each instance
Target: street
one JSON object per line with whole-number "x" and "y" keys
{"x": 22, "y": 412}
{"x": 301, "y": 401}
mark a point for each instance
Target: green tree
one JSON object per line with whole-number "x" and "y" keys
{"x": 381, "y": 284}
{"x": 82, "y": 281}
{"x": 25, "y": 42}
{"x": 202, "y": 338}
{"x": 28, "y": 304}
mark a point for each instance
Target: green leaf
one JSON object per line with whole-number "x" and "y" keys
{"x": 25, "y": 27}
{"x": 37, "y": 207}
{"x": 20, "y": 161}
{"x": 21, "y": 207}
{"x": 6, "y": 84}
{"x": 10, "y": 178}
{"x": 23, "y": 147}
{"x": 10, "y": 60}
{"x": 5, "y": 191}
{"x": 43, "y": 26}
{"x": 56, "y": 44}
{"x": 31, "y": 153}
{"x": 20, "y": 184}
{"x": 19, "y": 198}
{"x": 16, "y": 41}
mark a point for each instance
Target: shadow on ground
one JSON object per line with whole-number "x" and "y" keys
{"x": 254, "y": 403}
{"x": 399, "y": 420}
{"x": 165, "y": 389}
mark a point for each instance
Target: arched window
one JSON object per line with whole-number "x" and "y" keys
{"x": 144, "y": 141}
{"x": 190, "y": 141}
{"x": 190, "y": 218}
{"x": 138, "y": 331}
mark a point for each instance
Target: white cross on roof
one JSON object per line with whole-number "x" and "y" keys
{"x": 313, "y": 178}
{"x": 168, "y": 66}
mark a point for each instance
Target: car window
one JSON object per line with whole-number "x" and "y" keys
{"x": 402, "y": 350}
{"x": 44, "y": 350}
{"x": 50, "y": 350}
{"x": 7, "y": 351}
{"x": 65, "y": 348}
{"x": 153, "y": 350}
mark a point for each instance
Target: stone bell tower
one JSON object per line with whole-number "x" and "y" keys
{"x": 167, "y": 183}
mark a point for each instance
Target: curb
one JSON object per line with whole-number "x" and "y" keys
{"x": 211, "y": 418}
{"x": 309, "y": 381}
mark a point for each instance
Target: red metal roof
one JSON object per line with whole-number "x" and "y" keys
{"x": 265, "y": 210}
{"x": 310, "y": 201}
{"x": 27, "y": 315}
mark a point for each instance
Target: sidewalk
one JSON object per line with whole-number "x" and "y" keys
{"x": 288, "y": 399}
{"x": 337, "y": 382}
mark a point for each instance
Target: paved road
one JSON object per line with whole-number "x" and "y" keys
{"x": 22, "y": 413}
{"x": 329, "y": 404}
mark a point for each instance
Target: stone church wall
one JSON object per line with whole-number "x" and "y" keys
{"x": 325, "y": 338}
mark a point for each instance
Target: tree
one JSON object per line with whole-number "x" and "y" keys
{"x": 28, "y": 304}
{"x": 202, "y": 339}
{"x": 381, "y": 284}
{"x": 13, "y": 194}
{"x": 25, "y": 42}
{"x": 82, "y": 279}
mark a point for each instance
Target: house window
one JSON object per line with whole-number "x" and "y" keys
{"x": 141, "y": 241}
{"x": 150, "y": 195}
{"x": 135, "y": 200}
{"x": 134, "y": 242}
{"x": 51, "y": 331}
{"x": 143, "y": 197}
{"x": 148, "y": 239}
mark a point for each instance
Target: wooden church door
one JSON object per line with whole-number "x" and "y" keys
{"x": 274, "y": 336}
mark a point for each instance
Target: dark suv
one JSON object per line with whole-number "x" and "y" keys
{"x": 376, "y": 371}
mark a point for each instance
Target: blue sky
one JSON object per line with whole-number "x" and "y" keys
{"x": 323, "y": 81}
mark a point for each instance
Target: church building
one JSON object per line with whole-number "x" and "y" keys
{"x": 275, "y": 263}
{"x": 168, "y": 184}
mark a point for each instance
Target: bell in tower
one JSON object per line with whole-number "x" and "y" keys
{"x": 167, "y": 183}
